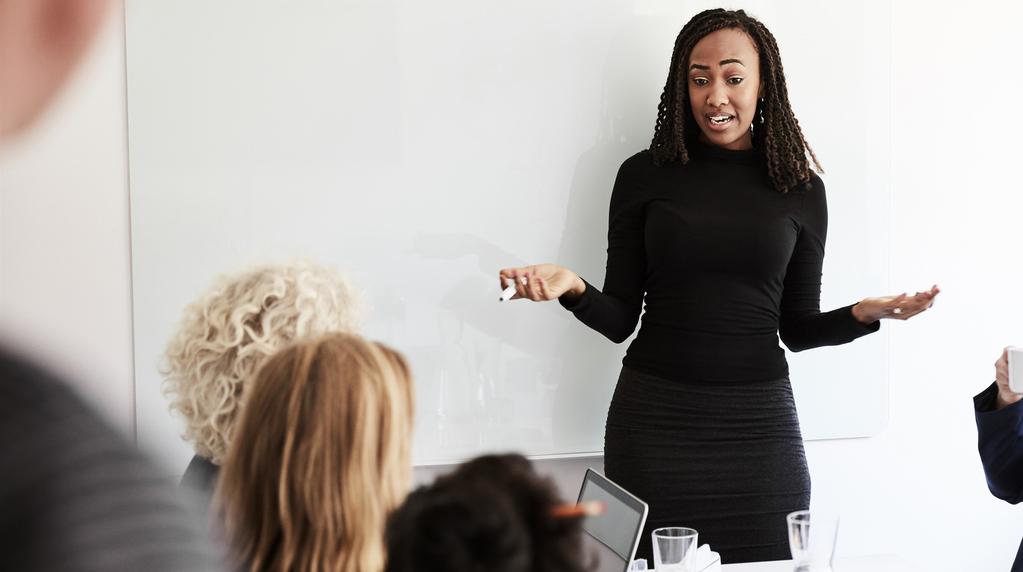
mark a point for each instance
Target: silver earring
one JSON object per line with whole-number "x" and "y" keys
{"x": 760, "y": 116}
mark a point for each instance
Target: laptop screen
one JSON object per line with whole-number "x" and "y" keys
{"x": 611, "y": 536}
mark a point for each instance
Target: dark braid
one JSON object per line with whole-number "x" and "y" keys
{"x": 776, "y": 131}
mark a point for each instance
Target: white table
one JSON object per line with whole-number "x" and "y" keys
{"x": 881, "y": 563}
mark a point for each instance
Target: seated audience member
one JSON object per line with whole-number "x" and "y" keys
{"x": 999, "y": 432}
{"x": 493, "y": 514}
{"x": 75, "y": 494}
{"x": 228, "y": 333}
{"x": 320, "y": 457}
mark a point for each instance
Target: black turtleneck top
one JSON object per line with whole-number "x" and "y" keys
{"x": 724, "y": 263}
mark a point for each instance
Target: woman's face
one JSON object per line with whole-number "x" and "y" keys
{"x": 724, "y": 84}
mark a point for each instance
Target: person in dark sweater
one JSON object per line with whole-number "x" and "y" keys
{"x": 227, "y": 334}
{"x": 719, "y": 228}
{"x": 75, "y": 494}
{"x": 999, "y": 414}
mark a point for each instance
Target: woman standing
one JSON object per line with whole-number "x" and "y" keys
{"x": 720, "y": 228}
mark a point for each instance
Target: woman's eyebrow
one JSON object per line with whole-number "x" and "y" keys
{"x": 721, "y": 63}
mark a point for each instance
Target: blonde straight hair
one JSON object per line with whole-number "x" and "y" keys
{"x": 320, "y": 458}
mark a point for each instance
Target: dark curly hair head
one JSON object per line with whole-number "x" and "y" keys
{"x": 776, "y": 131}
{"x": 491, "y": 514}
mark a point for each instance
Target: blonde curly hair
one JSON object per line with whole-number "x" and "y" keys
{"x": 228, "y": 333}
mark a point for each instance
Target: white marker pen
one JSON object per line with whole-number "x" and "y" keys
{"x": 507, "y": 294}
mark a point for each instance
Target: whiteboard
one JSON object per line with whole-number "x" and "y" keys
{"x": 421, "y": 146}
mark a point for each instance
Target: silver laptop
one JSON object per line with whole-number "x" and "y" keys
{"x": 613, "y": 536}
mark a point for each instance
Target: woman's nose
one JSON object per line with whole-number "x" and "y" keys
{"x": 717, "y": 97}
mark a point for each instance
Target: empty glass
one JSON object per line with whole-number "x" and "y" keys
{"x": 674, "y": 549}
{"x": 812, "y": 540}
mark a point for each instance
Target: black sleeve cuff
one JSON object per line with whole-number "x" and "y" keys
{"x": 986, "y": 401}
{"x": 990, "y": 418}
{"x": 858, "y": 327}
{"x": 582, "y": 303}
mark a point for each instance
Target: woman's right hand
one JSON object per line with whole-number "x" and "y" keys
{"x": 542, "y": 282}
{"x": 1006, "y": 396}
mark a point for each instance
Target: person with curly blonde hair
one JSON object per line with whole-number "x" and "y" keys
{"x": 228, "y": 333}
{"x": 322, "y": 457}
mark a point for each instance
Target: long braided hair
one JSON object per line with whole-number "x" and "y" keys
{"x": 776, "y": 131}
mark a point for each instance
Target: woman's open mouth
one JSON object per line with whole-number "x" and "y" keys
{"x": 720, "y": 122}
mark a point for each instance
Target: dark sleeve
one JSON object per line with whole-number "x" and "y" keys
{"x": 802, "y": 324}
{"x": 200, "y": 481}
{"x": 80, "y": 497}
{"x": 614, "y": 310}
{"x": 998, "y": 440}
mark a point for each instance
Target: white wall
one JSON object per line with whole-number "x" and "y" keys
{"x": 916, "y": 490}
{"x": 64, "y": 259}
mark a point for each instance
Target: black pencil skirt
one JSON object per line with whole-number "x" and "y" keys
{"x": 726, "y": 460}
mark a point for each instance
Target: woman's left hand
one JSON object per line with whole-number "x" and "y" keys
{"x": 901, "y": 307}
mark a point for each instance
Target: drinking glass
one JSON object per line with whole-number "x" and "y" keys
{"x": 812, "y": 539}
{"x": 674, "y": 549}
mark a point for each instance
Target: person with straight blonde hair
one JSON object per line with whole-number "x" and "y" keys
{"x": 228, "y": 333}
{"x": 320, "y": 458}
